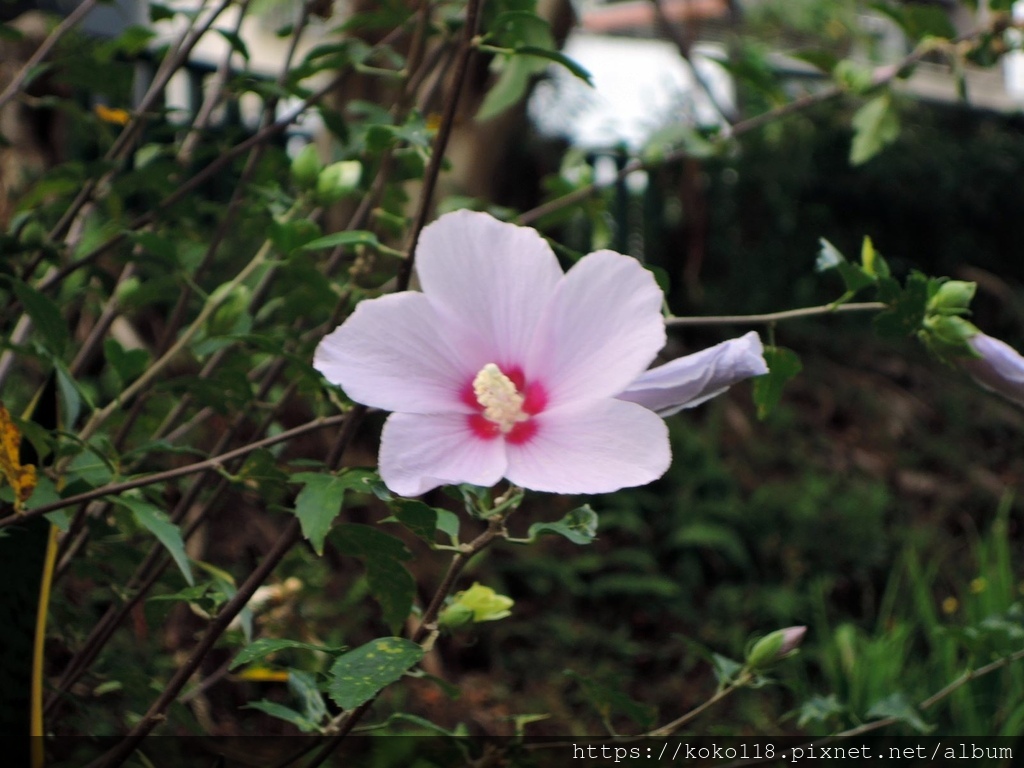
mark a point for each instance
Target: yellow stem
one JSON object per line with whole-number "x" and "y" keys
{"x": 38, "y": 661}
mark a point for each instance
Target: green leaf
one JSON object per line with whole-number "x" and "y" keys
{"x": 353, "y": 237}
{"x": 897, "y": 706}
{"x": 71, "y": 395}
{"x": 417, "y": 517}
{"x": 128, "y": 364}
{"x": 513, "y": 29}
{"x": 854, "y": 277}
{"x": 876, "y": 125}
{"x": 508, "y": 90}
{"x": 579, "y": 526}
{"x": 390, "y": 582}
{"x": 725, "y": 668}
{"x": 304, "y": 686}
{"x": 167, "y": 533}
{"x": 819, "y": 709}
{"x": 266, "y": 646}
{"x": 289, "y": 236}
{"x": 237, "y": 43}
{"x": 609, "y": 700}
{"x": 783, "y": 365}
{"x": 872, "y": 260}
{"x": 319, "y": 502}
{"x": 45, "y": 316}
{"x": 282, "y": 712}
{"x": 907, "y": 306}
{"x": 559, "y": 58}
{"x": 361, "y": 674}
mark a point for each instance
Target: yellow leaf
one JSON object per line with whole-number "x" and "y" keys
{"x": 112, "y": 115}
{"x": 21, "y": 478}
{"x": 263, "y": 675}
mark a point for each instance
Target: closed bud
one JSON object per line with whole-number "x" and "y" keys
{"x": 948, "y": 334}
{"x": 233, "y": 305}
{"x": 953, "y": 296}
{"x": 476, "y": 604}
{"x": 306, "y": 167}
{"x": 337, "y": 180}
{"x": 997, "y": 367}
{"x": 775, "y": 647}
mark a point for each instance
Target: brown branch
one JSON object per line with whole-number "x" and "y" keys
{"x": 441, "y": 142}
{"x": 170, "y": 474}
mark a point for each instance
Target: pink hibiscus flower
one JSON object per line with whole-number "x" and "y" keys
{"x": 506, "y": 367}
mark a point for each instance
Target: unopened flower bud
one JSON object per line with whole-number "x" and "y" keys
{"x": 306, "y": 167}
{"x": 948, "y": 335}
{"x": 952, "y": 296}
{"x": 775, "y": 647}
{"x": 476, "y": 604}
{"x": 337, "y": 180}
{"x": 233, "y": 304}
{"x": 998, "y": 367}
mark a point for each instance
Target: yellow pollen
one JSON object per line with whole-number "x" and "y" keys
{"x": 498, "y": 397}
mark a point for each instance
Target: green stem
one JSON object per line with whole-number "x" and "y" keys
{"x": 775, "y": 317}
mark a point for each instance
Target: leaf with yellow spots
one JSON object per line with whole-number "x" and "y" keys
{"x": 21, "y": 478}
{"x": 361, "y": 674}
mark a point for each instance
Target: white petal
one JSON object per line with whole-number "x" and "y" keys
{"x": 420, "y": 452}
{"x": 1000, "y": 367}
{"x": 689, "y": 381}
{"x": 393, "y": 353}
{"x": 601, "y": 329}
{"x": 493, "y": 278}
{"x": 595, "y": 448}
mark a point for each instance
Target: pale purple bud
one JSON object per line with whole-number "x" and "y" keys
{"x": 999, "y": 367}
{"x": 791, "y": 639}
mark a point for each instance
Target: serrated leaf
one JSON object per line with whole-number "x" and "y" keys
{"x": 726, "y": 669}
{"x": 579, "y": 526}
{"x": 907, "y": 306}
{"x": 783, "y": 365}
{"x": 266, "y": 646}
{"x": 876, "y": 125}
{"x": 898, "y": 707}
{"x": 167, "y": 533}
{"x": 359, "y": 675}
{"x": 317, "y": 504}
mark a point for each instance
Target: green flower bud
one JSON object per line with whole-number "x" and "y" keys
{"x": 476, "y": 604}
{"x": 949, "y": 331}
{"x": 337, "y": 180}
{"x": 455, "y": 616}
{"x": 775, "y": 647}
{"x": 233, "y": 306}
{"x": 306, "y": 167}
{"x": 953, "y": 297}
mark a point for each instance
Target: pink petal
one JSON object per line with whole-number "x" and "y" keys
{"x": 493, "y": 278}
{"x": 688, "y": 381}
{"x": 394, "y": 353}
{"x": 420, "y": 452}
{"x": 595, "y": 448}
{"x": 600, "y": 330}
{"x": 1000, "y": 367}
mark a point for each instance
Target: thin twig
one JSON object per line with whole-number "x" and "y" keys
{"x": 114, "y": 489}
{"x": 775, "y": 317}
{"x": 441, "y": 142}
